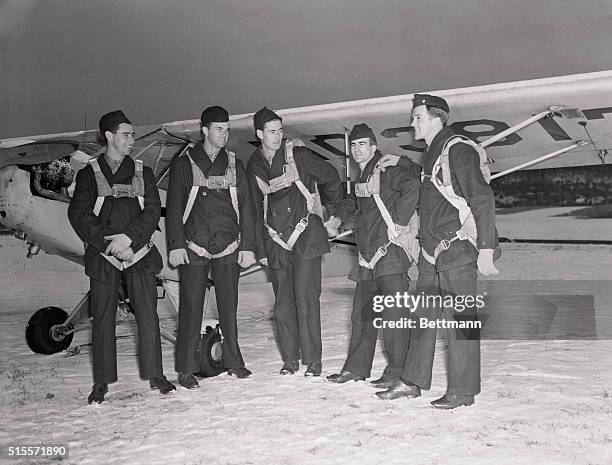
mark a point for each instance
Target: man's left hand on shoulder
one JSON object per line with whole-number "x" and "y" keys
{"x": 485, "y": 262}
{"x": 246, "y": 258}
{"x": 387, "y": 161}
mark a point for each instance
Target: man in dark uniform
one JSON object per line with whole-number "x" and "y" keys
{"x": 115, "y": 209}
{"x": 293, "y": 237}
{"x": 449, "y": 262}
{"x": 376, "y": 274}
{"x": 209, "y": 225}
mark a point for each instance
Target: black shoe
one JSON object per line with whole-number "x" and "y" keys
{"x": 451, "y": 401}
{"x": 187, "y": 380}
{"x": 400, "y": 389}
{"x": 343, "y": 377}
{"x": 314, "y": 369}
{"x": 384, "y": 382}
{"x": 290, "y": 368}
{"x": 242, "y": 372}
{"x": 97, "y": 393}
{"x": 162, "y": 384}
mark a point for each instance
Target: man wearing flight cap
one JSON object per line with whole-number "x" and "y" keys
{"x": 378, "y": 274}
{"x": 458, "y": 240}
{"x": 292, "y": 236}
{"x": 209, "y": 226}
{"x": 115, "y": 210}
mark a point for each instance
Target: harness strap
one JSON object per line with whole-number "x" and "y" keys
{"x": 135, "y": 189}
{"x": 380, "y": 253}
{"x": 444, "y": 244}
{"x": 290, "y": 176}
{"x": 468, "y": 230}
{"x": 372, "y": 188}
{"x": 202, "y": 252}
{"x": 123, "y": 265}
{"x": 227, "y": 181}
{"x": 300, "y": 227}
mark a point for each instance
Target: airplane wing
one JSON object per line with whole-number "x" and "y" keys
{"x": 581, "y": 111}
{"x": 582, "y": 107}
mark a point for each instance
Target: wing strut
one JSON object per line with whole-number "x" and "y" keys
{"x": 535, "y": 161}
{"x": 519, "y": 126}
{"x": 347, "y": 152}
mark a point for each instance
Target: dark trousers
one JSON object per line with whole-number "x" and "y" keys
{"x": 192, "y": 290}
{"x": 364, "y": 333}
{"x": 463, "y": 346}
{"x": 143, "y": 300}
{"x": 297, "y": 290}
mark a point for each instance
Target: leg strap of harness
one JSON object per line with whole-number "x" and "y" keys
{"x": 121, "y": 265}
{"x": 299, "y": 229}
{"x": 460, "y": 235}
{"x": 380, "y": 253}
{"x": 202, "y": 252}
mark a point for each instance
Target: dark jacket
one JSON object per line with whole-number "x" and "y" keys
{"x": 212, "y": 223}
{"x": 118, "y": 215}
{"x": 288, "y": 206}
{"x": 440, "y": 220}
{"x": 399, "y": 191}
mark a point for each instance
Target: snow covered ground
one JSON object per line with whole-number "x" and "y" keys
{"x": 546, "y": 402}
{"x": 546, "y": 223}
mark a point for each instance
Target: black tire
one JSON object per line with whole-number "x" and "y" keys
{"x": 209, "y": 354}
{"x": 45, "y": 331}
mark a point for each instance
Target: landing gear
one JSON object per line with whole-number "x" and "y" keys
{"x": 47, "y": 331}
{"x": 51, "y": 329}
{"x": 209, "y": 353}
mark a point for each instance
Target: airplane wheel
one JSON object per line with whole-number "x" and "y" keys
{"x": 209, "y": 354}
{"x": 45, "y": 332}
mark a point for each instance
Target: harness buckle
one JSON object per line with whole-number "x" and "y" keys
{"x": 216, "y": 183}
{"x": 383, "y": 250}
{"x": 302, "y": 224}
{"x": 445, "y": 243}
{"x": 278, "y": 183}
{"x": 361, "y": 190}
{"x": 121, "y": 191}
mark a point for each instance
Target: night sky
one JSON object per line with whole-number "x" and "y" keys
{"x": 162, "y": 60}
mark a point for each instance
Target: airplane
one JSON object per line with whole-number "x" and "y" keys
{"x": 567, "y": 115}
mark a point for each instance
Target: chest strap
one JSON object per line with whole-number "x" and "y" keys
{"x": 135, "y": 189}
{"x": 227, "y": 181}
{"x": 290, "y": 176}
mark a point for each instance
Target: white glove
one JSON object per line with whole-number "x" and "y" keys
{"x": 246, "y": 258}
{"x": 485, "y": 262}
{"x": 332, "y": 225}
{"x": 118, "y": 244}
{"x": 126, "y": 256}
{"x": 178, "y": 257}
